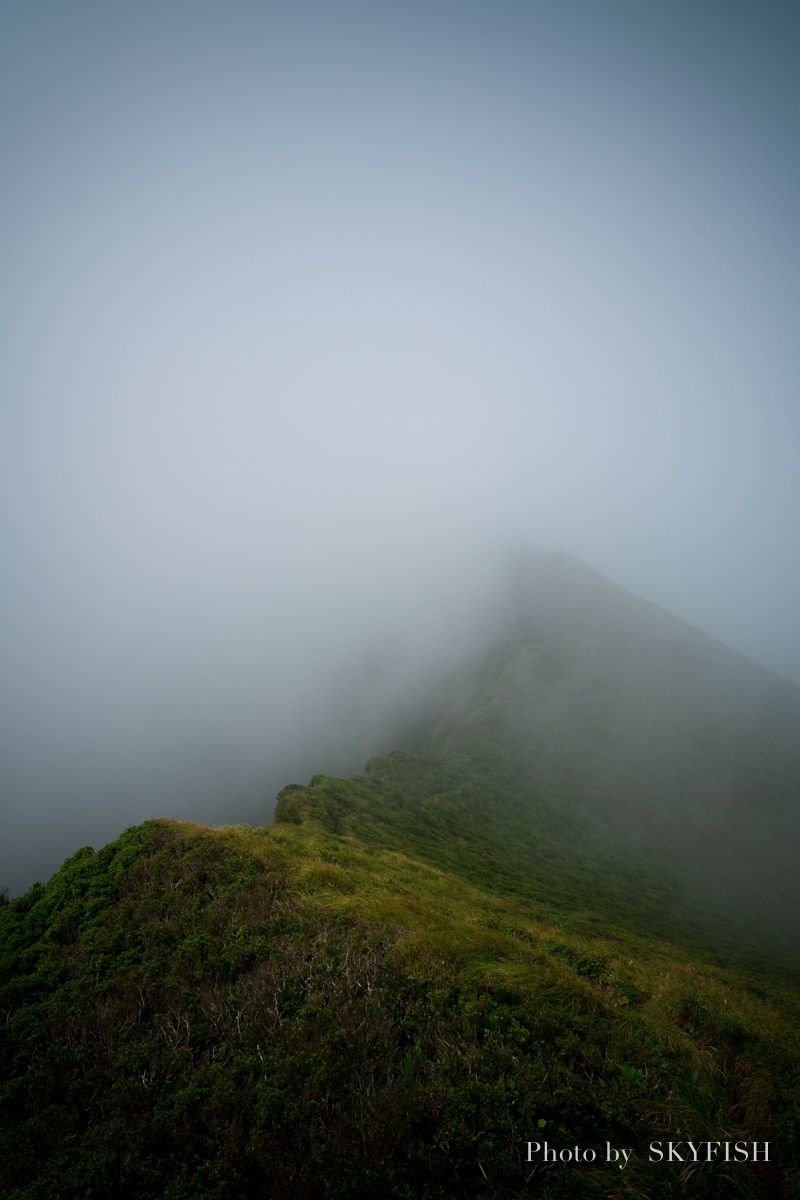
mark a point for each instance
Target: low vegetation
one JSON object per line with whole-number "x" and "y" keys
{"x": 397, "y": 987}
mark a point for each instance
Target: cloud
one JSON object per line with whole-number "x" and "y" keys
{"x": 309, "y": 314}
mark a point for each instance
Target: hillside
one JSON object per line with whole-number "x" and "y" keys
{"x": 564, "y": 911}
{"x": 618, "y": 727}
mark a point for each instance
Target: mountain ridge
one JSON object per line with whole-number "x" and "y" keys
{"x": 663, "y": 768}
{"x": 417, "y": 972}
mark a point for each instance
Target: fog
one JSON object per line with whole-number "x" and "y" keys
{"x": 311, "y": 314}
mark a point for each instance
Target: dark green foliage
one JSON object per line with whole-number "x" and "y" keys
{"x": 182, "y": 1021}
{"x": 416, "y": 972}
{"x": 216, "y": 1035}
{"x": 584, "y": 964}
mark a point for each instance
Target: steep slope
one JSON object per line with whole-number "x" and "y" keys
{"x": 600, "y": 743}
{"x": 508, "y": 932}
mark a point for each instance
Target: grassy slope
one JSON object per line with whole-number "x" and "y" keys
{"x": 414, "y": 972}
{"x": 292, "y": 1012}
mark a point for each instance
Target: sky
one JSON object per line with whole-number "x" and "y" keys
{"x": 310, "y": 313}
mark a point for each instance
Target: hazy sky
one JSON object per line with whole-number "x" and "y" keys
{"x": 307, "y": 310}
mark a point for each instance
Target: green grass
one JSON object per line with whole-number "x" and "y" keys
{"x": 219, "y": 1012}
{"x": 413, "y": 973}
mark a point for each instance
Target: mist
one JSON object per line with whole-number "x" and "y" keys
{"x": 312, "y": 314}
